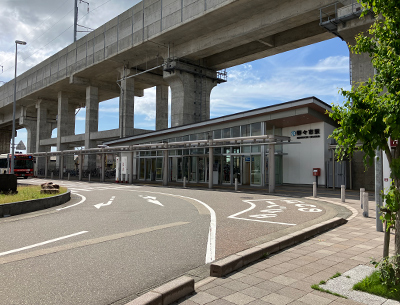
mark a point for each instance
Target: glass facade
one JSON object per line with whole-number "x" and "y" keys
{"x": 246, "y": 163}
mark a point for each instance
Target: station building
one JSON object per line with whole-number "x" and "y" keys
{"x": 286, "y": 143}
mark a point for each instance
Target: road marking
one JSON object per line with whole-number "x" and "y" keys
{"x": 152, "y": 200}
{"x": 98, "y": 206}
{"x": 70, "y": 206}
{"x": 252, "y": 206}
{"x": 84, "y": 243}
{"x": 42, "y": 243}
{"x": 210, "y": 252}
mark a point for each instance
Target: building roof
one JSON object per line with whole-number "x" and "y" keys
{"x": 293, "y": 113}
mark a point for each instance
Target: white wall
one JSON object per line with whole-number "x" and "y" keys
{"x": 302, "y": 158}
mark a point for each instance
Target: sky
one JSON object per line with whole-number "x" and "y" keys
{"x": 318, "y": 70}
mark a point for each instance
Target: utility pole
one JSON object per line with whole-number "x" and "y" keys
{"x": 75, "y": 18}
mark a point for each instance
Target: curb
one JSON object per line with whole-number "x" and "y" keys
{"x": 243, "y": 258}
{"x": 183, "y": 286}
{"x": 22, "y": 207}
{"x": 167, "y": 293}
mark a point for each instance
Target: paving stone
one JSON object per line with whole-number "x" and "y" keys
{"x": 291, "y": 292}
{"x": 202, "y": 298}
{"x": 236, "y": 285}
{"x": 313, "y": 299}
{"x": 255, "y": 292}
{"x": 284, "y": 280}
{"x": 250, "y": 279}
{"x": 220, "y": 302}
{"x": 239, "y": 298}
{"x": 220, "y": 291}
{"x": 277, "y": 299}
{"x": 270, "y": 286}
{"x": 264, "y": 275}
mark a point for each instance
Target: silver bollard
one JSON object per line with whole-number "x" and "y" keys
{"x": 236, "y": 184}
{"x": 314, "y": 189}
{"x": 362, "y": 190}
{"x": 366, "y": 204}
{"x": 89, "y": 177}
{"x": 68, "y": 176}
{"x": 51, "y": 175}
{"x": 184, "y": 182}
{"x": 343, "y": 193}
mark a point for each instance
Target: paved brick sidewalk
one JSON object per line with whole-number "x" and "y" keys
{"x": 286, "y": 277}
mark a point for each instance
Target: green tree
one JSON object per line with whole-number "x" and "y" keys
{"x": 371, "y": 113}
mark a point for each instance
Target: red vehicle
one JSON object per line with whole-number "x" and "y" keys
{"x": 23, "y": 165}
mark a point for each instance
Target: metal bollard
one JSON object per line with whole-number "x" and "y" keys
{"x": 236, "y": 184}
{"x": 366, "y": 204}
{"x": 184, "y": 182}
{"x": 68, "y": 176}
{"x": 89, "y": 177}
{"x": 51, "y": 175}
{"x": 343, "y": 193}
{"x": 314, "y": 192}
{"x": 362, "y": 191}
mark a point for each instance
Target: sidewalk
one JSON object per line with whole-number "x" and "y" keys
{"x": 286, "y": 277}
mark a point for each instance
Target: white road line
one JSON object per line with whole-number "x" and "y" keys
{"x": 42, "y": 243}
{"x": 252, "y": 206}
{"x": 70, "y": 206}
{"x": 210, "y": 254}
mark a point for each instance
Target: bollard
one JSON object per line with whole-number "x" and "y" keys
{"x": 343, "y": 193}
{"x": 51, "y": 175}
{"x": 236, "y": 184}
{"x": 365, "y": 203}
{"x": 314, "y": 192}
{"x": 68, "y": 176}
{"x": 362, "y": 190}
{"x": 184, "y": 182}
{"x": 89, "y": 177}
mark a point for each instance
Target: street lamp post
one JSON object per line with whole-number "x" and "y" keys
{"x": 17, "y": 42}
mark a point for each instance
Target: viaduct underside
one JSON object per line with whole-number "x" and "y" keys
{"x": 178, "y": 44}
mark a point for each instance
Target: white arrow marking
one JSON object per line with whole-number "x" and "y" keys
{"x": 152, "y": 199}
{"x": 99, "y": 205}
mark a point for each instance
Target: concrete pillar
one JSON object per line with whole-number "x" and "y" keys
{"x": 161, "y": 107}
{"x": 126, "y": 106}
{"x": 271, "y": 168}
{"x": 65, "y": 120}
{"x": 360, "y": 64}
{"x": 91, "y": 123}
{"x": 165, "y": 167}
{"x": 46, "y": 166}
{"x": 31, "y": 129}
{"x": 43, "y": 129}
{"x": 5, "y": 141}
{"x": 190, "y": 92}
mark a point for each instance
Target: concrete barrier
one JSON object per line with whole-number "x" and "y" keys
{"x": 22, "y": 207}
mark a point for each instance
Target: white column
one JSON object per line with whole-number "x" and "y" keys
{"x": 271, "y": 168}
{"x": 210, "y": 167}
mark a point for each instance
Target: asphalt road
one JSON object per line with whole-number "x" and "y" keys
{"x": 112, "y": 241}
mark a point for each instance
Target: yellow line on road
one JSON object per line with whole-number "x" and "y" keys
{"x": 83, "y": 243}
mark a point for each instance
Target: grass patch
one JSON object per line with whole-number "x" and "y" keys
{"x": 27, "y": 193}
{"x": 372, "y": 284}
{"x": 316, "y": 286}
{"x": 337, "y": 274}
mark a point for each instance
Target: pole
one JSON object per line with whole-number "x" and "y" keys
{"x": 75, "y": 18}
{"x": 17, "y": 42}
{"x": 14, "y": 109}
{"x": 378, "y": 189}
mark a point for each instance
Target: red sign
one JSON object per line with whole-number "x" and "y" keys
{"x": 393, "y": 143}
